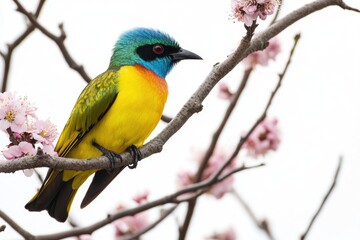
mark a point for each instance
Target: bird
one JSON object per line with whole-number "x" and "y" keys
{"x": 115, "y": 112}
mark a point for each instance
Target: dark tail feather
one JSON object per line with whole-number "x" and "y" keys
{"x": 55, "y": 196}
{"x": 99, "y": 182}
{"x": 60, "y": 206}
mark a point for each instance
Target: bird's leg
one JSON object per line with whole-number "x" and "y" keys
{"x": 109, "y": 154}
{"x": 136, "y": 154}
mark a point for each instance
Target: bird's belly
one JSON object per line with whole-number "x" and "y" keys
{"x": 132, "y": 117}
{"x": 127, "y": 124}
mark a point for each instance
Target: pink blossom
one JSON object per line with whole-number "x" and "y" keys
{"x": 13, "y": 116}
{"x": 16, "y": 151}
{"x": 215, "y": 163}
{"x": 264, "y": 138}
{"x": 247, "y": 11}
{"x": 14, "y": 112}
{"x": 44, "y": 131}
{"x": 21, "y": 150}
{"x": 263, "y": 57}
{"x": 229, "y": 234}
{"x": 224, "y": 91}
{"x": 26, "y": 132}
{"x": 28, "y": 107}
{"x": 243, "y": 13}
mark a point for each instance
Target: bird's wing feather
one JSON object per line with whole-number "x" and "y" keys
{"x": 91, "y": 106}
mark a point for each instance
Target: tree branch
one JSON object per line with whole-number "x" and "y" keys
{"x": 263, "y": 224}
{"x": 16, "y": 226}
{"x": 7, "y": 57}
{"x": 59, "y": 40}
{"x": 277, "y": 12}
{"x": 304, "y": 235}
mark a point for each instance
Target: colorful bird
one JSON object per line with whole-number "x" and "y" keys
{"x": 115, "y": 112}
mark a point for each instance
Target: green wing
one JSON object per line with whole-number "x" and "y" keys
{"x": 91, "y": 106}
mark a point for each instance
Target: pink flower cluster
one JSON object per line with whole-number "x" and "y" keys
{"x": 264, "y": 138}
{"x": 263, "y": 57}
{"x": 216, "y": 161}
{"x": 247, "y": 11}
{"x": 228, "y": 234}
{"x": 26, "y": 132}
{"x": 131, "y": 224}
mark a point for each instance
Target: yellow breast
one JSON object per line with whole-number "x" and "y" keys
{"x": 134, "y": 114}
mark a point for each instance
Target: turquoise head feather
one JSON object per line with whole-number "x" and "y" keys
{"x": 153, "y": 49}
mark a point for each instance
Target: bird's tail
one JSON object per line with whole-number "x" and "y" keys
{"x": 55, "y": 196}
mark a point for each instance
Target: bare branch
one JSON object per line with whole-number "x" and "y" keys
{"x": 59, "y": 40}
{"x": 281, "y": 2}
{"x": 304, "y": 235}
{"x": 12, "y": 46}
{"x": 16, "y": 226}
{"x": 263, "y": 224}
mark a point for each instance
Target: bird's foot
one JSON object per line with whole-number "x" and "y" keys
{"x": 136, "y": 154}
{"x": 112, "y": 156}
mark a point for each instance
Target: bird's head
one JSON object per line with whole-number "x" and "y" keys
{"x": 150, "y": 48}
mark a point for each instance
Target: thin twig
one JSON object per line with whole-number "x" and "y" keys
{"x": 16, "y": 226}
{"x": 7, "y": 57}
{"x": 281, "y": 2}
{"x": 304, "y": 235}
{"x": 263, "y": 224}
{"x": 59, "y": 40}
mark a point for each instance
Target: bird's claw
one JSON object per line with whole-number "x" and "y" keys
{"x": 136, "y": 154}
{"x": 112, "y": 156}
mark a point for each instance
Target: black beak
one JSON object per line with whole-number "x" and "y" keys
{"x": 184, "y": 54}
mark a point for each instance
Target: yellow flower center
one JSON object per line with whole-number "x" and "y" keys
{"x": 10, "y": 116}
{"x": 43, "y": 133}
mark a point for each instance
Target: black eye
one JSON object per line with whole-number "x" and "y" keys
{"x": 158, "y": 49}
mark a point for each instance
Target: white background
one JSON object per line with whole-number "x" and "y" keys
{"x": 318, "y": 107}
